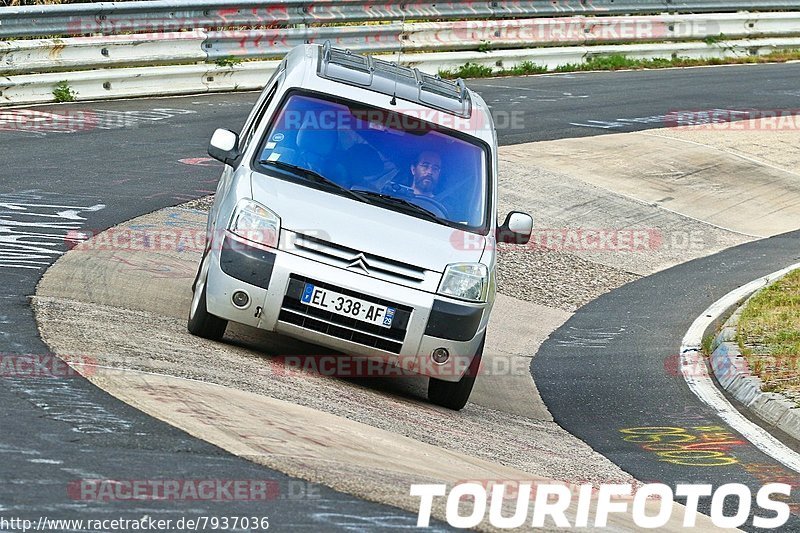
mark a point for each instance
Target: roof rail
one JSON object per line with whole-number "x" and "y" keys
{"x": 392, "y": 78}
{"x": 326, "y": 51}
{"x": 462, "y": 87}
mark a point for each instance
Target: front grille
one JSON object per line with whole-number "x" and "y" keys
{"x": 343, "y": 256}
{"x": 295, "y": 312}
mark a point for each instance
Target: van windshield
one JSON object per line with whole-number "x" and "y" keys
{"x": 389, "y": 159}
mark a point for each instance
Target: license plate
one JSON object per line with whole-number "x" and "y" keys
{"x": 344, "y": 305}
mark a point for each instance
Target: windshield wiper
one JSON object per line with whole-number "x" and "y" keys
{"x": 430, "y": 215}
{"x": 362, "y": 196}
{"x": 314, "y": 176}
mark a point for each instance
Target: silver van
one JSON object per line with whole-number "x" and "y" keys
{"x": 358, "y": 211}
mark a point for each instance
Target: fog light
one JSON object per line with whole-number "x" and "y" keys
{"x": 240, "y": 299}
{"x": 440, "y": 356}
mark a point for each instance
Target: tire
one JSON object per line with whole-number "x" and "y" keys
{"x": 201, "y": 322}
{"x": 454, "y": 394}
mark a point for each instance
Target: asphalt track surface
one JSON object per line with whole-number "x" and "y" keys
{"x": 613, "y": 367}
{"x": 583, "y": 104}
{"x": 56, "y": 431}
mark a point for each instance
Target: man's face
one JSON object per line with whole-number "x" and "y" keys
{"x": 426, "y": 172}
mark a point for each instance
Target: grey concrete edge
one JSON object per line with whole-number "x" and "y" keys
{"x": 733, "y": 374}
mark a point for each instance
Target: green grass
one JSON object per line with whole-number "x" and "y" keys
{"x": 468, "y": 70}
{"x": 63, "y": 93}
{"x": 707, "y": 344}
{"x": 714, "y": 39}
{"x": 769, "y": 334}
{"x": 526, "y": 67}
{"x": 228, "y": 61}
{"x": 617, "y": 62}
{"x": 473, "y": 70}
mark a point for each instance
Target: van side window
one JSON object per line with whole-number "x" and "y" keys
{"x": 261, "y": 107}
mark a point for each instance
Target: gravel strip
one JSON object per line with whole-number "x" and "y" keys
{"x": 154, "y": 343}
{"x": 555, "y": 279}
{"x": 200, "y": 204}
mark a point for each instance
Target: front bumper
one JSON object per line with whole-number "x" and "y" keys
{"x": 270, "y": 277}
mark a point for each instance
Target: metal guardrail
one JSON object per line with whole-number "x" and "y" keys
{"x": 27, "y": 56}
{"x": 174, "y": 44}
{"x": 192, "y": 79}
{"x": 114, "y": 18}
{"x": 504, "y": 33}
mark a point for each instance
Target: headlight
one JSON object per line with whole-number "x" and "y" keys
{"x": 467, "y": 281}
{"x": 254, "y": 222}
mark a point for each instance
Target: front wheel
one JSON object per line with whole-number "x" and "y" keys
{"x": 201, "y": 322}
{"x": 454, "y": 394}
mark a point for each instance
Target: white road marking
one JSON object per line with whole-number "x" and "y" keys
{"x": 673, "y": 119}
{"x": 34, "y": 231}
{"x": 602, "y": 124}
{"x": 705, "y": 389}
{"x": 547, "y": 95}
{"x": 593, "y": 338}
{"x": 46, "y": 461}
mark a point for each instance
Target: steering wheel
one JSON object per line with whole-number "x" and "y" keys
{"x": 438, "y": 209}
{"x": 431, "y": 204}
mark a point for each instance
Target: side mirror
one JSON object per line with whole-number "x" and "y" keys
{"x": 224, "y": 146}
{"x": 516, "y": 229}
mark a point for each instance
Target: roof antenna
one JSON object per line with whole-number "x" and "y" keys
{"x": 393, "y": 101}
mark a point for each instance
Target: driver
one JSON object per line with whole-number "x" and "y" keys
{"x": 425, "y": 173}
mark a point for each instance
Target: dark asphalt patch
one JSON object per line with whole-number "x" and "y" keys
{"x": 608, "y": 375}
